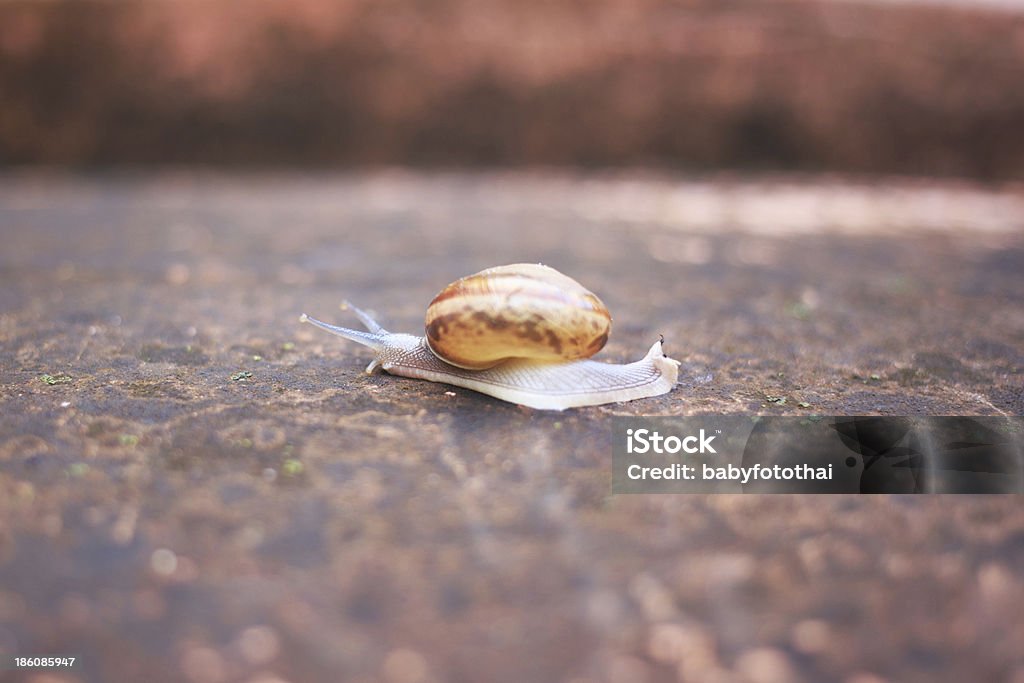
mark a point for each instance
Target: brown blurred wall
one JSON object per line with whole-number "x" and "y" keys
{"x": 704, "y": 84}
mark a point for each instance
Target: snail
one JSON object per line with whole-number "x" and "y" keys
{"x": 522, "y": 333}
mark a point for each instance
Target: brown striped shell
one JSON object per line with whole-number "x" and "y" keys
{"x": 523, "y": 310}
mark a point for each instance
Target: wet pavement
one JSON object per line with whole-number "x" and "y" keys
{"x": 194, "y": 486}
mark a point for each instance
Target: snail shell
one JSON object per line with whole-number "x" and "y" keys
{"x": 523, "y": 310}
{"x": 519, "y": 333}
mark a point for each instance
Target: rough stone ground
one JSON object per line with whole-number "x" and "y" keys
{"x": 166, "y": 516}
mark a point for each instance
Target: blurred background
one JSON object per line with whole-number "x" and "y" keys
{"x": 866, "y": 87}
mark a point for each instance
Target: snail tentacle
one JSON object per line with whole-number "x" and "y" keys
{"x": 364, "y": 317}
{"x": 375, "y": 340}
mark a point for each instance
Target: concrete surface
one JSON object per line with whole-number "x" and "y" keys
{"x": 195, "y": 487}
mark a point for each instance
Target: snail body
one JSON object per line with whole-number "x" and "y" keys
{"x": 521, "y": 333}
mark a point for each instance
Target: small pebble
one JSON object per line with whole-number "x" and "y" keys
{"x": 163, "y": 561}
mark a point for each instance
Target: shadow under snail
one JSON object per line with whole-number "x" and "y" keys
{"x": 523, "y": 333}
